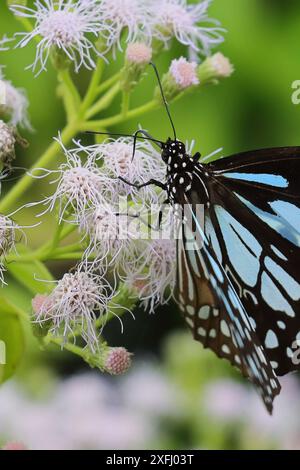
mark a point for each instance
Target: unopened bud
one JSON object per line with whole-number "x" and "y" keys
{"x": 117, "y": 361}
{"x": 214, "y": 68}
{"x": 137, "y": 57}
{"x": 181, "y": 76}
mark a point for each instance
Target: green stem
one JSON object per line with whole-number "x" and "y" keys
{"x": 92, "y": 89}
{"x": 44, "y": 254}
{"x": 76, "y": 256}
{"x": 45, "y": 250}
{"x": 56, "y": 237}
{"x": 117, "y": 119}
{"x": 16, "y": 193}
{"x": 125, "y": 104}
{"x": 108, "y": 83}
{"x": 104, "y": 102}
{"x": 67, "y": 230}
{"x": 70, "y": 94}
{"x": 68, "y": 346}
{"x": 73, "y": 247}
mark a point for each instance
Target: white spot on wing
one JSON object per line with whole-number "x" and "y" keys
{"x": 225, "y": 329}
{"x": 204, "y": 312}
{"x": 271, "y": 341}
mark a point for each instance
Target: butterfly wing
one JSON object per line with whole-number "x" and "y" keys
{"x": 215, "y": 314}
{"x": 253, "y": 226}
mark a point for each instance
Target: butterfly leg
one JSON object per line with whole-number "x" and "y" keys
{"x": 157, "y": 183}
{"x": 137, "y": 216}
{"x": 160, "y": 214}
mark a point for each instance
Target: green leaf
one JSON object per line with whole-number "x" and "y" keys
{"x": 12, "y": 342}
{"x": 31, "y": 274}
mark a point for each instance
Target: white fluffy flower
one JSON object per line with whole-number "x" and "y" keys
{"x": 155, "y": 279}
{"x": 64, "y": 25}
{"x": 112, "y": 236}
{"x": 130, "y": 16}
{"x": 77, "y": 301}
{"x": 13, "y": 103}
{"x": 80, "y": 185}
{"x": 147, "y": 164}
{"x": 190, "y": 24}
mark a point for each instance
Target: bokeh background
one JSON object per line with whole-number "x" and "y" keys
{"x": 177, "y": 396}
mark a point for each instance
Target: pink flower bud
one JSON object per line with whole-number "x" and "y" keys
{"x": 221, "y": 65}
{"x": 138, "y": 53}
{"x": 117, "y": 361}
{"x": 184, "y": 72}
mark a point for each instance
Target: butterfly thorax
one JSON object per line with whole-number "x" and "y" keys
{"x": 183, "y": 172}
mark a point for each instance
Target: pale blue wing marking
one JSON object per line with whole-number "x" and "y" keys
{"x": 290, "y": 285}
{"x": 263, "y": 178}
{"x": 280, "y": 222}
{"x": 287, "y": 211}
{"x": 273, "y": 297}
{"x": 246, "y": 258}
{"x": 212, "y": 237}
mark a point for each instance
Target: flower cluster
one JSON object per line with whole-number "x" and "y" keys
{"x": 122, "y": 245}
{"x": 118, "y": 222}
{"x": 66, "y": 28}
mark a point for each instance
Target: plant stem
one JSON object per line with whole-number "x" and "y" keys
{"x": 104, "y": 102}
{"x": 61, "y": 256}
{"x": 125, "y": 104}
{"x": 108, "y": 83}
{"x": 92, "y": 89}
{"x": 26, "y": 181}
{"x": 70, "y": 94}
{"x": 68, "y": 346}
{"x": 118, "y": 118}
{"x": 56, "y": 237}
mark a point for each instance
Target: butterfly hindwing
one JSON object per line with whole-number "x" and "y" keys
{"x": 216, "y": 316}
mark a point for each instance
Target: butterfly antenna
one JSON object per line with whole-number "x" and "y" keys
{"x": 164, "y": 98}
{"x": 113, "y": 134}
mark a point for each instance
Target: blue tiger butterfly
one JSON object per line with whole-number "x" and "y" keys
{"x": 239, "y": 290}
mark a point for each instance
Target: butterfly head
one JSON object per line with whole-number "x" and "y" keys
{"x": 172, "y": 150}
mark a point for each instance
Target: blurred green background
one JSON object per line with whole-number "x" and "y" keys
{"x": 252, "y": 109}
